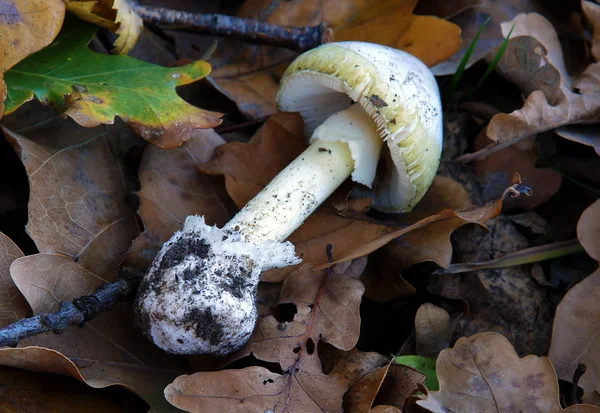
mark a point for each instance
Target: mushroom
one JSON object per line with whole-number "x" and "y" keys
{"x": 199, "y": 295}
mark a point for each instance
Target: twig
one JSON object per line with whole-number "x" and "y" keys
{"x": 575, "y": 396}
{"x": 249, "y": 30}
{"x": 72, "y": 313}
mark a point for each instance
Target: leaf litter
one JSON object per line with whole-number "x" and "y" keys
{"x": 305, "y": 354}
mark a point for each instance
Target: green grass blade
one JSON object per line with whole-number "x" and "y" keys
{"x": 463, "y": 63}
{"x": 526, "y": 256}
{"x": 497, "y": 58}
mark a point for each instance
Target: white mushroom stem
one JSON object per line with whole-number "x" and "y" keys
{"x": 311, "y": 178}
{"x": 295, "y": 193}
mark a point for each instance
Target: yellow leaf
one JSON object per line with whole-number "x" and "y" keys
{"x": 114, "y": 15}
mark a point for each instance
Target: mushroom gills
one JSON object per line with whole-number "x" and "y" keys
{"x": 346, "y": 143}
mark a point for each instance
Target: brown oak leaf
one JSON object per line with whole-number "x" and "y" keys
{"x": 78, "y": 185}
{"x": 482, "y": 373}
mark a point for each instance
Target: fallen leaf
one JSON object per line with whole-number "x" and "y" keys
{"x": 26, "y": 27}
{"x": 504, "y": 300}
{"x": 575, "y": 336}
{"x": 425, "y": 366}
{"x": 433, "y": 329}
{"x": 556, "y": 104}
{"x": 497, "y": 170}
{"x": 249, "y": 167}
{"x": 400, "y": 383}
{"x": 361, "y": 396}
{"x": 470, "y": 15}
{"x": 587, "y": 230}
{"x": 23, "y": 391}
{"x": 114, "y": 15}
{"x": 355, "y": 364}
{"x": 171, "y": 190}
{"x": 13, "y": 305}
{"x": 106, "y": 351}
{"x": 383, "y": 280}
{"x": 78, "y": 188}
{"x": 432, "y": 242}
{"x": 140, "y": 93}
{"x": 305, "y": 389}
{"x": 483, "y": 373}
{"x": 248, "y": 74}
{"x": 385, "y": 409}
{"x": 591, "y": 11}
{"x": 147, "y": 382}
{"x": 326, "y": 308}
{"x": 583, "y": 134}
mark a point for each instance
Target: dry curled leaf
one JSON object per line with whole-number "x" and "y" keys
{"x": 547, "y": 106}
{"x": 325, "y": 308}
{"x": 469, "y": 15}
{"x": 400, "y": 383}
{"x": 25, "y": 391}
{"x": 106, "y": 351}
{"x": 25, "y": 27}
{"x": 247, "y": 74}
{"x": 483, "y": 374}
{"x": 433, "y": 329}
{"x": 304, "y": 389}
{"x": 114, "y": 15}
{"x": 497, "y": 170}
{"x": 78, "y": 185}
{"x": 13, "y": 305}
{"x": 147, "y": 382}
{"x": 575, "y": 337}
{"x": 171, "y": 189}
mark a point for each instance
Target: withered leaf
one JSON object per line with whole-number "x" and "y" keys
{"x": 172, "y": 189}
{"x": 497, "y": 170}
{"x": 483, "y": 373}
{"x": 400, "y": 383}
{"x": 361, "y": 396}
{"x": 247, "y": 74}
{"x": 575, "y": 336}
{"x": 107, "y": 350}
{"x": 549, "y": 107}
{"x": 147, "y": 382}
{"x": 433, "y": 329}
{"x": 78, "y": 185}
{"x": 257, "y": 390}
{"x": 326, "y": 307}
{"x": 588, "y": 230}
{"x": 13, "y": 305}
{"x": 26, "y": 391}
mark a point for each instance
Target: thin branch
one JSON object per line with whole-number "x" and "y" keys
{"x": 249, "y": 30}
{"x": 72, "y": 313}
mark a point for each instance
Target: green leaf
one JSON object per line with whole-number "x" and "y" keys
{"x": 93, "y": 88}
{"x": 425, "y": 365}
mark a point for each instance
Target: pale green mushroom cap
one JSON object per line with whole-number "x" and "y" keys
{"x": 399, "y": 93}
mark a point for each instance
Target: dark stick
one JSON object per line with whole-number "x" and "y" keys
{"x": 575, "y": 396}
{"x": 249, "y": 30}
{"x": 72, "y": 313}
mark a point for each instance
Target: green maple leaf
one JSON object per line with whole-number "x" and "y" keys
{"x": 93, "y": 88}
